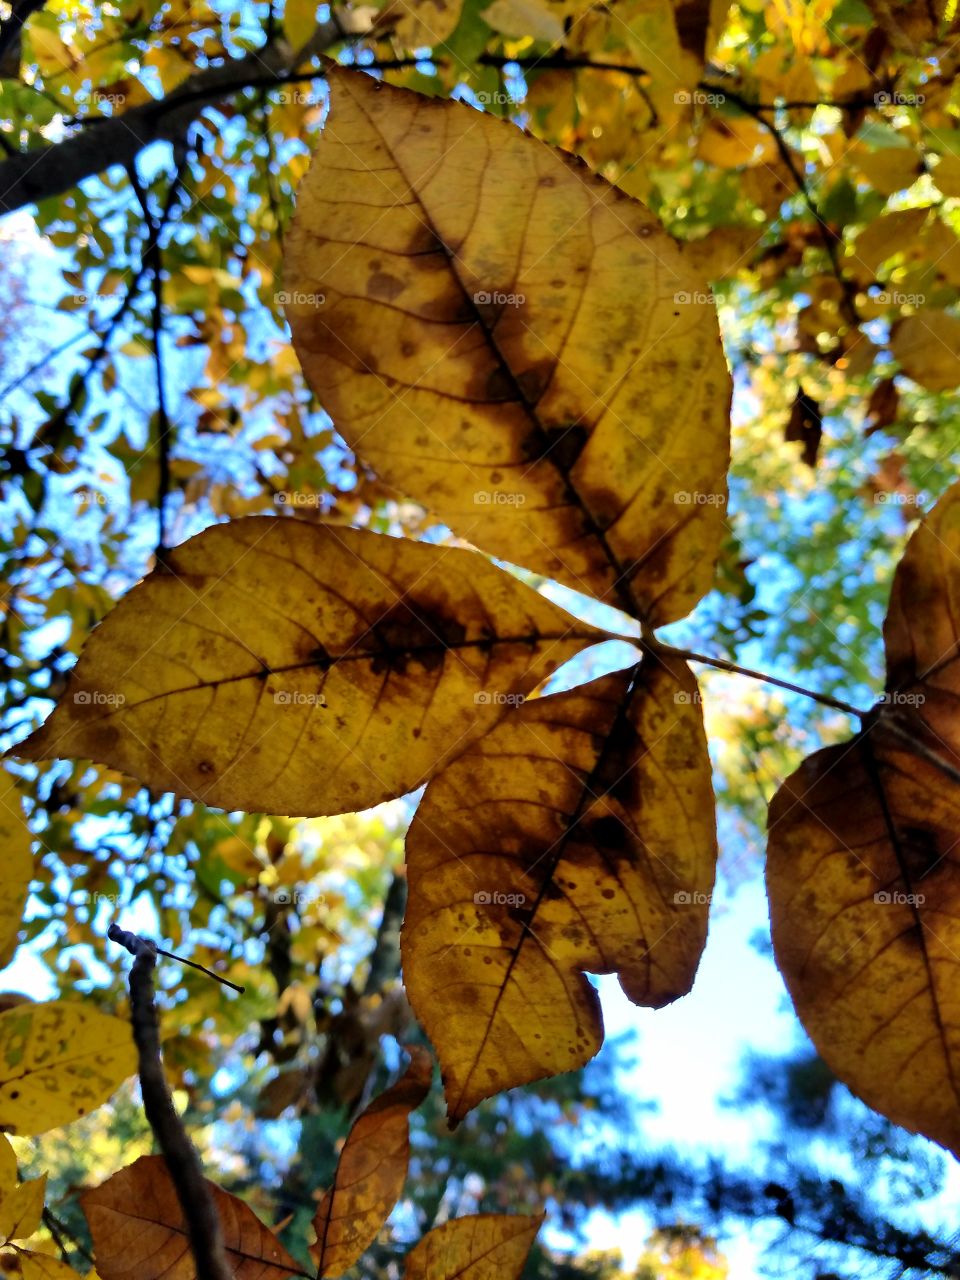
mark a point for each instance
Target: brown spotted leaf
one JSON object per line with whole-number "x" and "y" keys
{"x": 576, "y": 837}
{"x": 483, "y": 1246}
{"x": 58, "y": 1061}
{"x": 287, "y": 667}
{"x": 863, "y": 866}
{"x": 139, "y": 1231}
{"x": 514, "y": 342}
{"x": 371, "y": 1171}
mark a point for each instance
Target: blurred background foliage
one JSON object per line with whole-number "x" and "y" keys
{"x": 808, "y": 157}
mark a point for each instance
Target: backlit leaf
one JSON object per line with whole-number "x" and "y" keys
{"x": 928, "y": 347}
{"x": 58, "y": 1061}
{"x": 423, "y": 23}
{"x": 514, "y": 342}
{"x": 525, "y": 17}
{"x": 139, "y": 1231}
{"x": 577, "y": 837}
{"x": 483, "y": 1246}
{"x": 43, "y": 1266}
{"x": 288, "y": 667}
{"x": 21, "y": 1207}
{"x": 371, "y": 1171}
{"x": 863, "y": 869}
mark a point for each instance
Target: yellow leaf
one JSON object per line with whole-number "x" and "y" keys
{"x": 515, "y": 343}
{"x": 423, "y": 24}
{"x": 299, "y": 21}
{"x": 288, "y": 667}
{"x": 49, "y": 52}
{"x": 17, "y": 865}
{"x": 890, "y": 169}
{"x": 21, "y": 1207}
{"x": 483, "y": 1246}
{"x": 371, "y": 1171}
{"x": 862, "y": 871}
{"x": 730, "y": 143}
{"x": 880, "y": 240}
{"x": 58, "y": 1061}
{"x": 43, "y": 1266}
{"x": 533, "y": 18}
{"x": 138, "y": 1229}
{"x": 549, "y": 850}
{"x": 927, "y": 346}
{"x": 722, "y": 252}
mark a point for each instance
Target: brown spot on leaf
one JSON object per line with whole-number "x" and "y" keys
{"x": 562, "y": 445}
{"x": 382, "y": 284}
{"x": 413, "y": 632}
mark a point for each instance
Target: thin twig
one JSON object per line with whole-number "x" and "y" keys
{"x": 724, "y": 664}
{"x": 827, "y": 236}
{"x": 183, "y": 1162}
{"x": 52, "y": 1225}
{"x": 153, "y": 260}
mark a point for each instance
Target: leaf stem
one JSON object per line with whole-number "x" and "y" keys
{"x": 724, "y": 664}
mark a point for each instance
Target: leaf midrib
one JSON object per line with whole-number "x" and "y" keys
{"x": 593, "y": 528}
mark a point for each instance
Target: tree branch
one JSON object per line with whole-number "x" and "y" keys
{"x": 117, "y": 140}
{"x": 193, "y": 1191}
{"x": 10, "y": 30}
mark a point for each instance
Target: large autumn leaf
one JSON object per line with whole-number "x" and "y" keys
{"x": 371, "y": 1171}
{"x": 139, "y": 1231}
{"x": 299, "y": 668}
{"x": 576, "y": 837}
{"x": 863, "y": 865}
{"x": 482, "y": 1246}
{"x": 516, "y": 343}
{"x": 58, "y": 1061}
